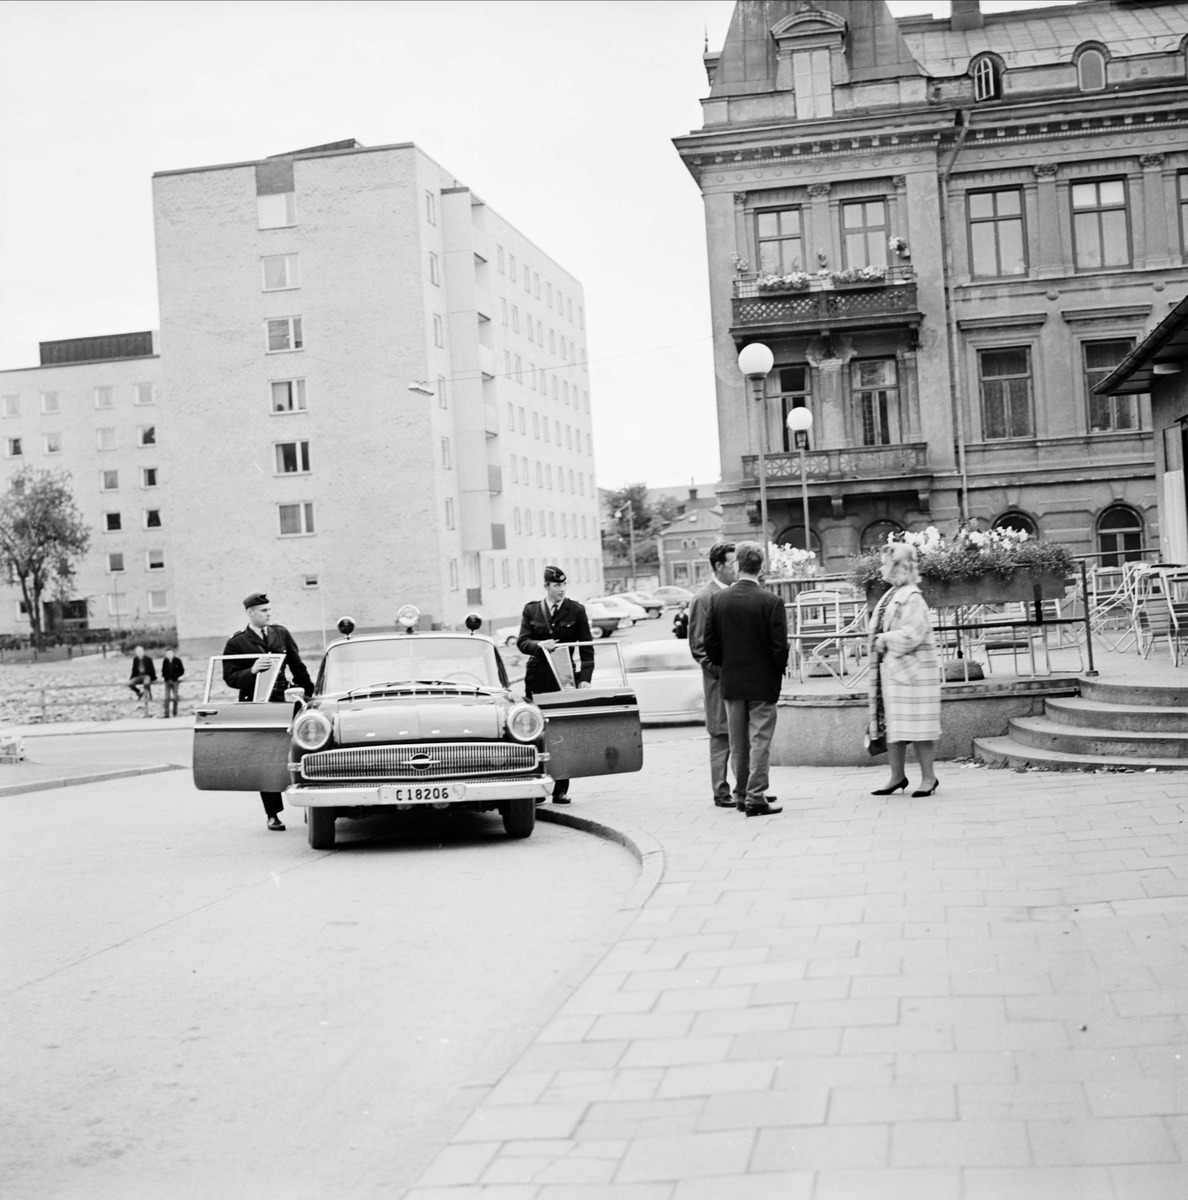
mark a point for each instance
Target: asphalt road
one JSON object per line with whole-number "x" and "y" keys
{"x": 195, "y": 1007}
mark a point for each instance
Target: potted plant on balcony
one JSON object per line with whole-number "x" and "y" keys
{"x": 873, "y": 274}
{"x": 995, "y": 566}
{"x": 794, "y": 281}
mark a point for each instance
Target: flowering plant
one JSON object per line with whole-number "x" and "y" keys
{"x": 897, "y": 245}
{"x": 860, "y": 275}
{"x": 788, "y": 562}
{"x": 795, "y": 281}
{"x": 971, "y": 554}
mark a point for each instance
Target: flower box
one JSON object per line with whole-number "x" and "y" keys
{"x": 986, "y": 589}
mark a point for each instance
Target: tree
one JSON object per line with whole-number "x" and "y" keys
{"x": 633, "y": 505}
{"x": 42, "y": 535}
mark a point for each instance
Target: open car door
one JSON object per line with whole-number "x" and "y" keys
{"x": 594, "y": 730}
{"x": 242, "y": 746}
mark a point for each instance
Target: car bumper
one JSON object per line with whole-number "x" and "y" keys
{"x": 458, "y": 791}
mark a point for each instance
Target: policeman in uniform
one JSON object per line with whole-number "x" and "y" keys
{"x": 544, "y": 625}
{"x": 263, "y": 637}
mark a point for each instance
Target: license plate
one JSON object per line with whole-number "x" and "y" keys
{"x": 422, "y": 793}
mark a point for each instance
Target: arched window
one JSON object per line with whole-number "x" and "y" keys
{"x": 793, "y": 535}
{"x": 986, "y": 79}
{"x": 1091, "y": 71}
{"x": 874, "y": 536}
{"x": 1014, "y": 519}
{"x": 1119, "y": 536}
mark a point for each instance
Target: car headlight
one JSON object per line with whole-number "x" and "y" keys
{"x": 311, "y": 730}
{"x": 525, "y": 722}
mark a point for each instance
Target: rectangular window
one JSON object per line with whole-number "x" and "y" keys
{"x": 786, "y": 388}
{"x": 996, "y": 245}
{"x": 112, "y": 522}
{"x": 443, "y": 397}
{"x": 12, "y": 406}
{"x": 154, "y": 560}
{"x": 148, "y": 477}
{"x": 549, "y": 294}
{"x": 53, "y": 443}
{"x": 569, "y": 312}
{"x": 552, "y": 524}
{"x": 146, "y": 435}
{"x": 115, "y": 562}
{"x": 438, "y": 331}
{"x": 864, "y": 233}
{"x": 445, "y": 453}
{"x": 277, "y": 210}
{"x": 284, "y": 333}
{"x": 539, "y": 475}
{"x": 523, "y": 469}
{"x": 876, "y": 396}
{"x": 449, "y": 513}
{"x": 1183, "y": 185}
{"x": 288, "y": 395}
{"x": 1005, "y": 377}
{"x": 109, "y": 481}
{"x": 511, "y": 267}
{"x": 540, "y": 335}
{"x": 536, "y": 285}
{"x": 280, "y": 271}
{"x": 516, "y": 524}
{"x": 434, "y": 270}
{"x": 1101, "y": 237}
{"x": 158, "y": 601}
{"x": 152, "y": 518}
{"x": 511, "y": 416}
{"x": 778, "y": 236}
{"x": 144, "y": 393}
{"x": 499, "y": 259}
{"x": 532, "y": 376}
{"x": 453, "y": 574}
{"x": 292, "y": 458}
{"x": 519, "y": 370}
{"x": 503, "y": 311}
{"x": 505, "y": 572}
{"x": 527, "y": 280}
{"x": 117, "y": 604}
{"x": 431, "y": 208}
{"x": 813, "y": 85}
{"x": 295, "y": 519}
{"x": 515, "y": 319}
{"x": 536, "y": 425}
{"x": 1108, "y": 414}
{"x": 507, "y": 367}
{"x": 51, "y": 402}
{"x": 104, "y": 397}
{"x": 528, "y": 323}
{"x": 528, "y": 520}
{"x": 105, "y": 439}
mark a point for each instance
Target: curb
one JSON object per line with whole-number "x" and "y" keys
{"x": 645, "y": 848}
{"x": 16, "y": 789}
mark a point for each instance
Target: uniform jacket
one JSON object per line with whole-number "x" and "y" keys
{"x": 569, "y": 625}
{"x": 747, "y": 636}
{"x": 172, "y": 669}
{"x": 698, "y": 615}
{"x": 279, "y": 641}
{"x": 144, "y": 666}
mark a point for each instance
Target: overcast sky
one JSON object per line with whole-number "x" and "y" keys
{"x": 559, "y": 115}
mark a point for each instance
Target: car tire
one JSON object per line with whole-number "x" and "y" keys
{"x": 596, "y": 632}
{"x": 519, "y": 816}
{"x": 320, "y": 829}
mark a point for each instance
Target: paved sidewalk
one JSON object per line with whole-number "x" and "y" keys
{"x": 978, "y": 995}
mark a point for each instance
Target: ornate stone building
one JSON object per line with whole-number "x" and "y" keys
{"x": 948, "y": 232}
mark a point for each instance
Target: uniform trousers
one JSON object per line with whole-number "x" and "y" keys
{"x": 273, "y": 803}
{"x": 719, "y": 734}
{"x": 752, "y": 724}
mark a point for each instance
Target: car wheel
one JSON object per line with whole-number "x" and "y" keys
{"x": 321, "y": 828}
{"x": 519, "y": 816}
{"x": 596, "y": 632}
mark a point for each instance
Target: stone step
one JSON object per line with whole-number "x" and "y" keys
{"x": 1097, "y": 714}
{"x": 1042, "y": 733}
{"x": 1006, "y": 752}
{"x": 1135, "y": 694}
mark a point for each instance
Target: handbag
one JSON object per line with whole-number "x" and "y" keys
{"x": 876, "y": 745}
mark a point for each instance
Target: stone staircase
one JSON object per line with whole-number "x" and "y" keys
{"x": 1108, "y": 725}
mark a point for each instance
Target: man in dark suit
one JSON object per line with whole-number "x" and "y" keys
{"x": 746, "y": 636}
{"x": 545, "y": 625}
{"x": 262, "y": 637}
{"x": 144, "y": 675}
{"x": 724, "y": 565}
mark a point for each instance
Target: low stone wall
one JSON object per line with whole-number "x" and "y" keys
{"x": 827, "y": 730}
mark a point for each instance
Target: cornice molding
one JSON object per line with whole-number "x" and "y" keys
{"x": 1005, "y": 321}
{"x": 1115, "y": 312}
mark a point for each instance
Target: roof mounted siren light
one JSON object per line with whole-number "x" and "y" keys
{"x": 474, "y": 622}
{"x": 408, "y": 616}
{"x": 346, "y": 626}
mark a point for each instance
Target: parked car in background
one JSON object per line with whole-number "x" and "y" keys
{"x": 652, "y": 605}
{"x": 624, "y": 607}
{"x": 672, "y": 596}
{"x": 603, "y": 622}
{"x": 666, "y": 681}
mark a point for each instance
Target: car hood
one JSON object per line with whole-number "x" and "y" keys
{"x": 402, "y": 721}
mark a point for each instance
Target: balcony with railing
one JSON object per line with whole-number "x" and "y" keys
{"x": 860, "y": 468}
{"x": 823, "y": 303}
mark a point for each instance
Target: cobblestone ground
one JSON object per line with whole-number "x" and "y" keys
{"x": 978, "y": 995}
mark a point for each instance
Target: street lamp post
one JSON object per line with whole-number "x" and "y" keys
{"x": 630, "y": 535}
{"x": 755, "y": 362}
{"x": 800, "y": 420}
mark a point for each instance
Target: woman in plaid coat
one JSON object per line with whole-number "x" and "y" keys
{"x": 906, "y": 682}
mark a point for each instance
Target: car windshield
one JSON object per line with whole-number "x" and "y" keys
{"x": 661, "y": 659}
{"x": 368, "y": 662}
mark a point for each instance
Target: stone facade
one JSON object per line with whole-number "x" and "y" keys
{"x": 969, "y": 224}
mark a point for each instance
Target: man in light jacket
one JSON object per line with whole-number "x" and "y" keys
{"x": 724, "y": 565}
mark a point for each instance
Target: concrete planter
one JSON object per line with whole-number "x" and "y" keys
{"x": 988, "y": 589}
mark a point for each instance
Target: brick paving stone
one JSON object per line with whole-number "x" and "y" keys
{"x": 716, "y": 1078}
{"x": 821, "y": 1147}
{"x": 1137, "y": 1097}
{"x": 691, "y": 1000}
{"x": 803, "y": 1105}
{"x": 869, "y": 1105}
{"x": 1022, "y": 1101}
{"x": 1038, "y": 1183}
{"x": 459, "y": 1164}
{"x": 1101, "y": 1141}
{"x": 604, "y": 1191}
{"x": 672, "y": 1158}
{"x": 638, "y": 1025}
{"x": 497, "y": 1123}
{"x": 905, "y": 1183}
{"x": 786, "y": 1185}
{"x": 743, "y": 1020}
{"x": 959, "y": 1144}
{"x": 1150, "y": 1182}
{"x": 668, "y": 1052}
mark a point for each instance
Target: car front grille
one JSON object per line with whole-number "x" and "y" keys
{"x": 446, "y": 760}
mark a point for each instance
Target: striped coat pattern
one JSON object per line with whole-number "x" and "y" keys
{"x": 909, "y": 672}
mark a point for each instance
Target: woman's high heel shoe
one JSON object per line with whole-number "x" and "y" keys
{"x": 893, "y": 788}
{"x": 928, "y": 791}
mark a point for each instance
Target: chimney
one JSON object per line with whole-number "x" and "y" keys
{"x": 965, "y": 14}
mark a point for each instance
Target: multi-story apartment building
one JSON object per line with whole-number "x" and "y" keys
{"x": 92, "y": 409}
{"x": 948, "y": 232}
{"x": 378, "y": 390}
